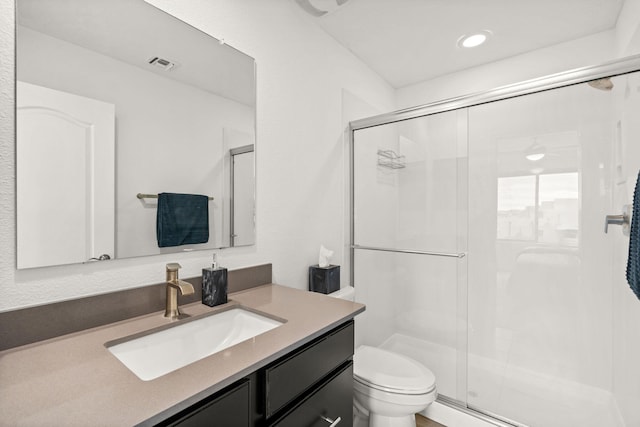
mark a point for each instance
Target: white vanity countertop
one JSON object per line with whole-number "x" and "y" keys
{"x": 74, "y": 380}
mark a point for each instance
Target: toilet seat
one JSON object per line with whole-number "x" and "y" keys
{"x": 391, "y": 373}
{"x": 400, "y": 400}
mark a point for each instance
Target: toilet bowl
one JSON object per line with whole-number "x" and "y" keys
{"x": 389, "y": 388}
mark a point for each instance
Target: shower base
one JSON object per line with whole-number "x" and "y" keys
{"x": 515, "y": 393}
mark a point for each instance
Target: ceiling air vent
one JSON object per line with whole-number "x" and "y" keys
{"x": 165, "y": 64}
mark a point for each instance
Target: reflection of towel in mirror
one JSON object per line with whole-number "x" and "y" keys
{"x": 182, "y": 219}
{"x": 633, "y": 262}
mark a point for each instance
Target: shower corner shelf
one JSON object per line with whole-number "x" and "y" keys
{"x": 390, "y": 159}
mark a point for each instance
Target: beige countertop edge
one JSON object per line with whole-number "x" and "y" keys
{"x": 74, "y": 379}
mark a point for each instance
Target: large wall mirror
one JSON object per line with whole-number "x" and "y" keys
{"x": 118, "y": 102}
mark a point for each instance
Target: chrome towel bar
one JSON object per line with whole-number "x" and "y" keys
{"x": 411, "y": 251}
{"x": 153, "y": 196}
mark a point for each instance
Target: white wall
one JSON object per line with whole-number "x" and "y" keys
{"x": 627, "y": 32}
{"x": 300, "y": 156}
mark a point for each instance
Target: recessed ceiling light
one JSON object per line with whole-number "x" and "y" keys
{"x": 473, "y": 40}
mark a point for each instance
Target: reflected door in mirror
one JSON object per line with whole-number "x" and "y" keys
{"x": 65, "y": 177}
{"x": 243, "y": 201}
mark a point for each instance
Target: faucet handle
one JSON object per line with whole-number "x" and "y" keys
{"x": 173, "y": 266}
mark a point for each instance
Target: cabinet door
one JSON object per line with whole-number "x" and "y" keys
{"x": 231, "y": 409}
{"x": 333, "y": 400}
{"x": 299, "y": 371}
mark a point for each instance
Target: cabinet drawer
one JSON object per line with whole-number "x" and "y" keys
{"x": 332, "y": 401}
{"x": 231, "y": 409}
{"x": 290, "y": 377}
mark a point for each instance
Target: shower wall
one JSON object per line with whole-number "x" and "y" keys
{"x": 626, "y": 316}
{"x": 538, "y": 314}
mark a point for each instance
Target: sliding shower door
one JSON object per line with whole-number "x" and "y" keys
{"x": 410, "y": 240}
{"x": 480, "y": 246}
{"x": 542, "y": 177}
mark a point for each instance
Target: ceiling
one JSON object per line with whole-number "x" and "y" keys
{"x": 408, "y": 41}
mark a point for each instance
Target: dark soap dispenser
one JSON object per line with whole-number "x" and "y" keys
{"x": 214, "y": 285}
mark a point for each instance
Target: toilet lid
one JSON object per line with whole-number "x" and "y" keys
{"x": 391, "y": 372}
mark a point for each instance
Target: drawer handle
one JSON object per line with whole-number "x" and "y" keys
{"x": 330, "y": 421}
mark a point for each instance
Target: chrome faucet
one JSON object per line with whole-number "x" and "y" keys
{"x": 173, "y": 286}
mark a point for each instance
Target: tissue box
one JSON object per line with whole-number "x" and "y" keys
{"x": 324, "y": 279}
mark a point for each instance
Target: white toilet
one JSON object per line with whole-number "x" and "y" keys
{"x": 389, "y": 388}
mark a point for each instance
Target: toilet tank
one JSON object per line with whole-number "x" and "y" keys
{"x": 347, "y": 293}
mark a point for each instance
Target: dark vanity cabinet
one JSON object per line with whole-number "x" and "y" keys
{"x": 311, "y": 386}
{"x": 331, "y": 403}
{"x": 229, "y": 408}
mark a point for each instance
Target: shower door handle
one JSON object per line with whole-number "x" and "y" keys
{"x": 622, "y": 220}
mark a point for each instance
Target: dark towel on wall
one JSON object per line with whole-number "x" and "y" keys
{"x": 633, "y": 262}
{"x": 182, "y": 219}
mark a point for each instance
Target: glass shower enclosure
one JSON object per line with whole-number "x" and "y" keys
{"x": 478, "y": 246}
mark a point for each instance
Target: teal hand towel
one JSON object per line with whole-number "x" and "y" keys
{"x": 182, "y": 219}
{"x": 633, "y": 262}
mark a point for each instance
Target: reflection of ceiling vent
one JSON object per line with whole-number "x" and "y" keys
{"x": 165, "y": 64}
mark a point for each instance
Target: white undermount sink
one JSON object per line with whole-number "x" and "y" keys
{"x": 156, "y": 354}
